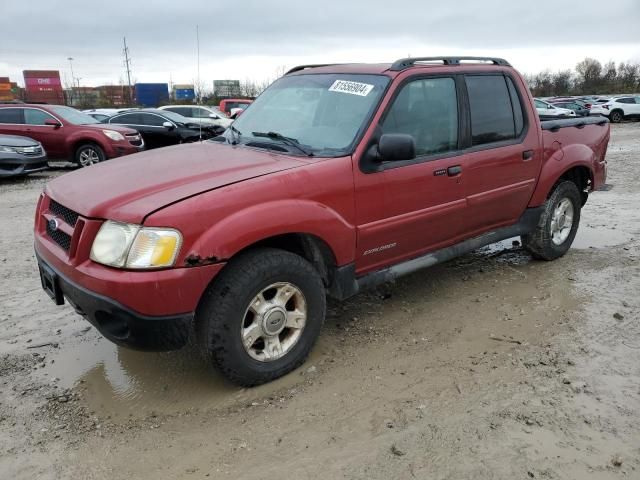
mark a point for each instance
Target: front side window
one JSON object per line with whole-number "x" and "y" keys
{"x": 323, "y": 112}
{"x": 36, "y": 117}
{"x": 492, "y": 118}
{"x": 73, "y": 116}
{"x": 151, "y": 120}
{"x": 184, "y": 111}
{"x": 11, "y": 116}
{"x": 426, "y": 109}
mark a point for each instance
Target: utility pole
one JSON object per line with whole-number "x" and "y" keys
{"x": 73, "y": 81}
{"x": 127, "y": 64}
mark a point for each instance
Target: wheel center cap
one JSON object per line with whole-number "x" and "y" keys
{"x": 274, "y": 320}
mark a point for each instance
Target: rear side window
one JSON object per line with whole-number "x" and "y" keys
{"x": 625, "y": 100}
{"x": 492, "y": 111}
{"x": 127, "y": 119}
{"x": 11, "y": 115}
{"x": 426, "y": 109}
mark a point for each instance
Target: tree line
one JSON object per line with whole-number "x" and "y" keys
{"x": 589, "y": 77}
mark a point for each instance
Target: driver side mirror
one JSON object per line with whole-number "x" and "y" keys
{"x": 52, "y": 123}
{"x": 395, "y": 147}
{"x": 168, "y": 125}
{"x": 214, "y": 116}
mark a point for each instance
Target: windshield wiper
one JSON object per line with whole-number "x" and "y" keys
{"x": 292, "y": 142}
{"x": 235, "y": 134}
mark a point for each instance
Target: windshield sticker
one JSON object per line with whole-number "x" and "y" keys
{"x": 354, "y": 88}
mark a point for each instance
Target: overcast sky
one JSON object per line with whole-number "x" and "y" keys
{"x": 256, "y": 38}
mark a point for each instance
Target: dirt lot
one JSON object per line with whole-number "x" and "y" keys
{"x": 490, "y": 366}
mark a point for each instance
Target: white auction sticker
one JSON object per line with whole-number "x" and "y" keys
{"x": 354, "y": 88}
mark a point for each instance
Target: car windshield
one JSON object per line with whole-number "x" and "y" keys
{"x": 73, "y": 116}
{"x": 323, "y": 112}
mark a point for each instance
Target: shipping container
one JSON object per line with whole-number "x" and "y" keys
{"x": 43, "y": 86}
{"x": 151, "y": 94}
{"x": 6, "y": 92}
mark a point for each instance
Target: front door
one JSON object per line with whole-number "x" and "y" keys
{"x": 407, "y": 208}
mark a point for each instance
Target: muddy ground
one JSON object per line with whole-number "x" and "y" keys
{"x": 489, "y": 366}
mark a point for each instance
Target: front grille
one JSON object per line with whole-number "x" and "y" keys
{"x": 68, "y": 215}
{"x": 30, "y": 151}
{"x": 59, "y": 237}
{"x": 134, "y": 140}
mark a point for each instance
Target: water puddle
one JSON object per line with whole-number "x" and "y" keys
{"x": 122, "y": 383}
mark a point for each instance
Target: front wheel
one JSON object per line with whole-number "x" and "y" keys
{"x": 89, "y": 154}
{"x": 558, "y": 223}
{"x": 262, "y": 315}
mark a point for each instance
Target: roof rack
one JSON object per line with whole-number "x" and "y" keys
{"x": 304, "y": 67}
{"x": 404, "y": 63}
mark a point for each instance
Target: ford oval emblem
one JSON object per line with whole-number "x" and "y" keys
{"x": 53, "y": 224}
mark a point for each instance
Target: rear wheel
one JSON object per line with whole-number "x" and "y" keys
{"x": 89, "y": 154}
{"x": 558, "y": 223}
{"x": 616, "y": 116}
{"x": 262, "y": 315}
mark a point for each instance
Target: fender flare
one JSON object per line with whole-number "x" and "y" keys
{"x": 266, "y": 220}
{"x": 560, "y": 162}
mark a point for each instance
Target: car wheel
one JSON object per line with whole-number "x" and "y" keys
{"x": 261, "y": 316}
{"x": 558, "y": 223}
{"x": 89, "y": 154}
{"x": 616, "y": 116}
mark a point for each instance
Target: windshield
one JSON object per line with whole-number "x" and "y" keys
{"x": 73, "y": 116}
{"x": 323, "y": 112}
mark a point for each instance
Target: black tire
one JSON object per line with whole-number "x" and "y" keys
{"x": 220, "y": 316}
{"x": 616, "y": 116}
{"x": 88, "y": 154}
{"x": 539, "y": 242}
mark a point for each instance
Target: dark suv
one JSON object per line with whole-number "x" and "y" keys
{"x": 68, "y": 134}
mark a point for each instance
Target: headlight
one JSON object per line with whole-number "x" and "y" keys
{"x": 132, "y": 246}
{"x": 7, "y": 149}
{"x": 113, "y": 135}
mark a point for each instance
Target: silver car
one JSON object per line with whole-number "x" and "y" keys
{"x": 20, "y": 156}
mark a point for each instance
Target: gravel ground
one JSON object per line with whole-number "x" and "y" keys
{"x": 492, "y": 366}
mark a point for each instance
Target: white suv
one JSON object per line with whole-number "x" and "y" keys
{"x": 546, "y": 109}
{"x": 618, "y": 108}
{"x": 200, "y": 114}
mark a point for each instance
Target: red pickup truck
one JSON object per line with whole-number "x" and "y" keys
{"x": 338, "y": 178}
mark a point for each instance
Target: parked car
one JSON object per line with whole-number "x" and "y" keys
{"x": 618, "y": 108}
{"x": 229, "y": 104}
{"x": 161, "y": 128}
{"x": 200, "y": 114}
{"x": 20, "y": 156}
{"x": 578, "y": 107}
{"x": 338, "y": 178}
{"x": 68, "y": 134}
{"x": 546, "y": 109}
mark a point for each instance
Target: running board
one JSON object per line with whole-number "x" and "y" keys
{"x": 345, "y": 284}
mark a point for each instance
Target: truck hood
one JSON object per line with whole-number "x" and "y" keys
{"x": 128, "y": 189}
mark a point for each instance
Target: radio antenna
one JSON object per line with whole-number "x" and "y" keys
{"x": 198, "y": 98}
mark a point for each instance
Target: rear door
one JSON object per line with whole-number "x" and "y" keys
{"x": 503, "y": 158}
{"x": 407, "y": 208}
{"x": 12, "y": 121}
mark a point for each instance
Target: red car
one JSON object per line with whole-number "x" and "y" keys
{"x": 338, "y": 178}
{"x": 232, "y": 103}
{"x": 68, "y": 134}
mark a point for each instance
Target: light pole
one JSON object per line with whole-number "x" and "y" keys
{"x": 72, "y": 77}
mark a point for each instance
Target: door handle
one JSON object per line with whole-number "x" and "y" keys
{"x": 527, "y": 155}
{"x": 454, "y": 170}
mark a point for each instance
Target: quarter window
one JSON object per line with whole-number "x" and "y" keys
{"x": 426, "y": 109}
{"x": 36, "y": 117}
{"x": 11, "y": 115}
{"x": 492, "y": 117}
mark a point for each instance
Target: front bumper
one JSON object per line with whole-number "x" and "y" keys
{"x": 16, "y": 164}
{"x": 118, "y": 323}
